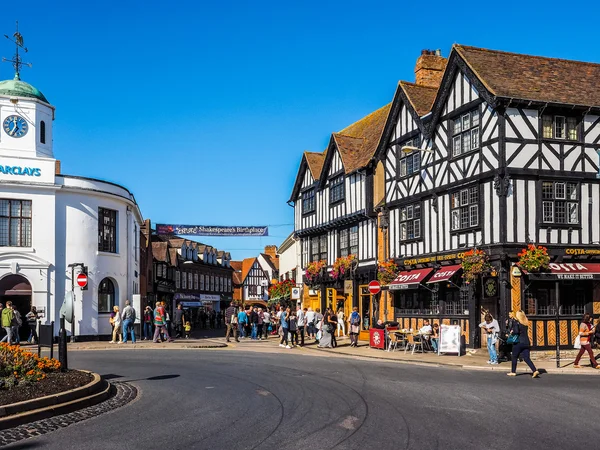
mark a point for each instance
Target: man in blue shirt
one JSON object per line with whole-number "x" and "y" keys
{"x": 242, "y": 321}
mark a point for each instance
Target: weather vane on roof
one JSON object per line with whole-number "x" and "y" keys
{"x": 17, "y": 62}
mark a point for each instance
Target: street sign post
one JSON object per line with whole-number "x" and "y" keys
{"x": 82, "y": 280}
{"x": 374, "y": 287}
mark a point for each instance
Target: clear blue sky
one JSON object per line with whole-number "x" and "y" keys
{"x": 203, "y": 109}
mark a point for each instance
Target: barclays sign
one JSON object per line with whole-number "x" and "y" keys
{"x": 18, "y": 170}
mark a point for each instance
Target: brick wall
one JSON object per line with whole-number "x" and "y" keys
{"x": 429, "y": 69}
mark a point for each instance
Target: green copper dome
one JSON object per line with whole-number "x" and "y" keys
{"x": 18, "y": 88}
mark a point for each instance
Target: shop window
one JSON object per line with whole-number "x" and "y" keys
{"x": 308, "y": 201}
{"x": 106, "y": 296}
{"x": 560, "y": 202}
{"x": 541, "y": 300}
{"x": 415, "y": 302}
{"x": 410, "y": 222}
{"x": 107, "y": 230}
{"x": 457, "y": 301}
{"x": 15, "y": 223}
{"x": 336, "y": 189}
{"x": 349, "y": 241}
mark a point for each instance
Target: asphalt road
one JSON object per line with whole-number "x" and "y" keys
{"x": 226, "y": 399}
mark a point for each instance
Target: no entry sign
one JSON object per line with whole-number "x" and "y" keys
{"x": 82, "y": 280}
{"x": 374, "y": 287}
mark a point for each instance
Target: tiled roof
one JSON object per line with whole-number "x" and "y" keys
{"x": 315, "y": 163}
{"x": 246, "y": 266}
{"x": 236, "y": 265}
{"x": 534, "y": 78}
{"x": 273, "y": 262}
{"x": 176, "y": 242}
{"x": 357, "y": 143}
{"x": 173, "y": 255}
{"x": 421, "y": 97}
{"x": 159, "y": 251}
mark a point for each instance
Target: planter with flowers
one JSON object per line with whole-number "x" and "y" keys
{"x": 342, "y": 266}
{"x": 387, "y": 271}
{"x": 313, "y": 271}
{"x": 474, "y": 264}
{"x": 281, "y": 290}
{"x": 534, "y": 258}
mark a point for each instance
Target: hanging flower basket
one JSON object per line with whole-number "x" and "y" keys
{"x": 387, "y": 271}
{"x": 313, "y": 270}
{"x": 342, "y": 266}
{"x": 281, "y": 289}
{"x": 534, "y": 258}
{"x": 474, "y": 264}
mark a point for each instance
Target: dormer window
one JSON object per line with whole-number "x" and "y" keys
{"x": 410, "y": 162}
{"x": 336, "y": 189}
{"x": 559, "y": 127}
{"x": 308, "y": 201}
{"x": 42, "y": 132}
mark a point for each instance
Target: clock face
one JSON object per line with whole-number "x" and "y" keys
{"x": 15, "y": 126}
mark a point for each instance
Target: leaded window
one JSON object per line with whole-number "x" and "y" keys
{"x": 465, "y": 208}
{"x": 410, "y": 161}
{"x": 308, "y": 201}
{"x": 184, "y": 279}
{"x": 336, "y": 189}
{"x": 15, "y": 223}
{"x": 410, "y": 222}
{"x": 560, "y": 202}
{"x": 349, "y": 241}
{"x": 559, "y": 127}
{"x": 202, "y": 282}
{"x": 319, "y": 248}
{"x": 107, "y": 230}
{"x": 195, "y": 281}
{"x": 465, "y": 133}
{"x": 177, "y": 279}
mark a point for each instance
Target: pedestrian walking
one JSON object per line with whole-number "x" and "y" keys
{"x": 586, "y": 331}
{"x": 318, "y": 324}
{"x": 16, "y": 325}
{"x": 491, "y": 328}
{"x": 7, "y": 320}
{"x": 160, "y": 323}
{"x": 117, "y": 326}
{"x": 231, "y": 322}
{"x": 32, "y": 318}
{"x": 435, "y": 336}
{"x": 293, "y": 325}
{"x": 266, "y": 323}
{"x": 302, "y": 324}
{"x": 325, "y": 330}
{"x": 354, "y": 327}
{"x": 128, "y": 317}
{"x": 179, "y": 320}
{"x": 310, "y": 323}
{"x": 284, "y": 325}
{"x": 522, "y": 347}
{"x": 148, "y": 316}
{"x": 212, "y": 316}
{"x": 261, "y": 323}
{"x": 334, "y": 322}
{"x": 253, "y": 323}
{"x": 341, "y": 326}
{"x": 242, "y": 321}
{"x": 188, "y": 329}
{"x": 168, "y": 320}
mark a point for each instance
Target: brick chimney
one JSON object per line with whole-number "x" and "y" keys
{"x": 429, "y": 69}
{"x": 57, "y": 167}
{"x": 271, "y": 250}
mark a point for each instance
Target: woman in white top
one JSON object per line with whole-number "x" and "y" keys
{"x": 341, "y": 325}
{"x": 117, "y": 330}
{"x": 492, "y": 328}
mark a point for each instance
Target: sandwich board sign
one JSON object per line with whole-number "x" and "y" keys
{"x": 449, "y": 339}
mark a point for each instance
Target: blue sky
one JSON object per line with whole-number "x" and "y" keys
{"x": 203, "y": 109}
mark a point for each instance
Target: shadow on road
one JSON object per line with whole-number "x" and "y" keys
{"x": 112, "y": 376}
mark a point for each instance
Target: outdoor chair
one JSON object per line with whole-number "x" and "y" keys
{"x": 414, "y": 343}
{"x": 394, "y": 340}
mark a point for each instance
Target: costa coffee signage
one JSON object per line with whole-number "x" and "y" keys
{"x": 444, "y": 274}
{"x": 409, "y": 279}
{"x": 575, "y": 271}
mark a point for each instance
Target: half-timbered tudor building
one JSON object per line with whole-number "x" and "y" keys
{"x": 255, "y": 281}
{"x": 333, "y": 212}
{"x": 490, "y": 150}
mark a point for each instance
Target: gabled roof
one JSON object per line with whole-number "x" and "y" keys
{"x": 358, "y": 142}
{"x": 246, "y": 266}
{"x": 174, "y": 256}
{"x": 315, "y": 163}
{"x": 160, "y": 251}
{"x": 421, "y": 98}
{"x": 271, "y": 261}
{"x": 535, "y": 78}
{"x": 236, "y": 265}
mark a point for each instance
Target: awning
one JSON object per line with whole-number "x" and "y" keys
{"x": 445, "y": 273}
{"x": 409, "y": 279}
{"x": 569, "y": 271}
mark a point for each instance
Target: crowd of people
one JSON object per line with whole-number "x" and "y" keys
{"x": 292, "y": 325}
{"x": 12, "y": 321}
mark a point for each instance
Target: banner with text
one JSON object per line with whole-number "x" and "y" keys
{"x": 210, "y": 230}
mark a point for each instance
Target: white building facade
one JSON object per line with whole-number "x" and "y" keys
{"x": 49, "y": 220}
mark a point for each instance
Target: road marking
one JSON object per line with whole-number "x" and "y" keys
{"x": 263, "y": 392}
{"x": 209, "y": 387}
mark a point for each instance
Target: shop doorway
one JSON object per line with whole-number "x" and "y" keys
{"x": 365, "y": 309}
{"x": 16, "y": 289}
